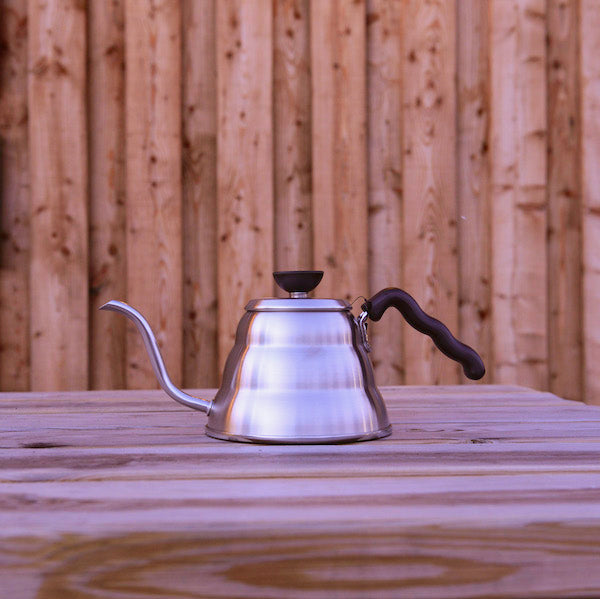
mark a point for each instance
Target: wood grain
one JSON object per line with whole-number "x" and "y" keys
{"x": 518, "y": 188}
{"x": 417, "y": 560}
{"x": 200, "y": 365}
{"x": 564, "y": 202}
{"x": 590, "y": 184}
{"x": 292, "y": 136}
{"x": 480, "y": 491}
{"x": 14, "y": 198}
{"x": 106, "y": 121}
{"x": 384, "y": 84}
{"x": 153, "y": 173}
{"x": 340, "y": 222}
{"x": 59, "y": 194}
{"x": 429, "y": 173}
{"x": 244, "y": 160}
{"x": 473, "y": 165}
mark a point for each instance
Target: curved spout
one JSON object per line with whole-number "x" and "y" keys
{"x": 155, "y": 358}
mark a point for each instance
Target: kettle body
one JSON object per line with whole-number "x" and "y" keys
{"x": 298, "y": 373}
{"x": 299, "y": 370}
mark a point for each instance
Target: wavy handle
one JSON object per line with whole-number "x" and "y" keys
{"x": 469, "y": 359}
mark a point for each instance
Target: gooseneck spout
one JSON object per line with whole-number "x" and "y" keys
{"x": 155, "y": 358}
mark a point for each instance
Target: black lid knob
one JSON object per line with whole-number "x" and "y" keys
{"x": 298, "y": 281}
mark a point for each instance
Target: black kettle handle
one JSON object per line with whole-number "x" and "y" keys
{"x": 470, "y": 360}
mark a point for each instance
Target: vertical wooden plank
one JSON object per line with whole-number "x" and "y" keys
{"x": 14, "y": 320}
{"x": 473, "y": 113}
{"x": 504, "y": 171}
{"x": 14, "y": 198}
{"x": 384, "y": 83}
{"x": 564, "y": 194}
{"x": 590, "y": 187}
{"x": 106, "y": 131}
{"x": 58, "y": 171}
{"x": 518, "y": 180}
{"x": 340, "y": 217}
{"x": 153, "y": 171}
{"x": 244, "y": 160}
{"x": 429, "y": 221}
{"x": 200, "y": 367}
{"x": 292, "y": 149}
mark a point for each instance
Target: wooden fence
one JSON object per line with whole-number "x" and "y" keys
{"x": 174, "y": 153}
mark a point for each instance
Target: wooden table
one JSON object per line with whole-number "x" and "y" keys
{"x": 480, "y": 491}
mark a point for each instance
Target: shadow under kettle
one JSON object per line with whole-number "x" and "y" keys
{"x": 299, "y": 370}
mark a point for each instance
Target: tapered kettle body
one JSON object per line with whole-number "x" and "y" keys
{"x": 298, "y": 373}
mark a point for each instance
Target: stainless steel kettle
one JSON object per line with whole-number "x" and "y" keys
{"x": 299, "y": 370}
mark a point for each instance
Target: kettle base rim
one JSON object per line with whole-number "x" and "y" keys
{"x": 301, "y": 440}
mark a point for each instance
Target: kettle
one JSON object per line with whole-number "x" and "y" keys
{"x": 299, "y": 370}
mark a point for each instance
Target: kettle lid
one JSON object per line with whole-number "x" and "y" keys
{"x": 298, "y": 283}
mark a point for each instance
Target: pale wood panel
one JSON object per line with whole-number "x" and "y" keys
{"x": 565, "y": 356}
{"x": 429, "y": 175}
{"x": 384, "y": 84}
{"x": 14, "y": 198}
{"x": 590, "y": 189}
{"x": 59, "y": 188}
{"x": 503, "y": 49}
{"x": 244, "y": 160}
{"x": 473, "y": 118}
{"x": 200, "y": 365}
{"x": 292, "y": 136}
{"x": 518, "y": 194}
{"x": 106, "y": 120}
{"x": 153, "y": 172}
{"x": 484, "y": 500}
{"x": 340, "y": 211}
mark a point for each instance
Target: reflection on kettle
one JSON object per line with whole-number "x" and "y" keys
{"x": 299, "y": 370}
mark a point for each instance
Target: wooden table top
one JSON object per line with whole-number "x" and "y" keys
{"x": 480, "y": 491}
